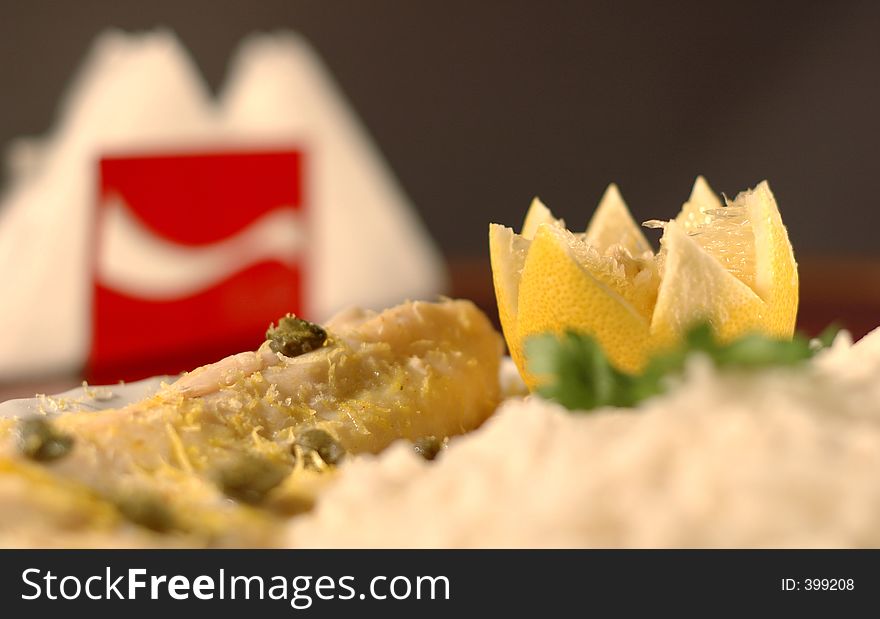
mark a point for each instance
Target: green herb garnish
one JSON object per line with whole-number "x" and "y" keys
{"x": 576, "y": 373}
{"x": 826, "y": 338}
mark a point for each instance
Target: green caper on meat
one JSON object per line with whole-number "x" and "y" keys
{"x": 39, "y": 440}
{"x": 294, "y": 336}
{"x": 322, "y": 443}
{"x": 428, "y": 447}
{"x": 145, "y": 510}
{"x": 250, "y": 478}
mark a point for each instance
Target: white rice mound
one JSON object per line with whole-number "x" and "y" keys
{"x": 773, "y": 458}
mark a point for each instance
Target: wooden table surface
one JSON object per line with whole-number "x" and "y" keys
{"x": 842, "y": 290}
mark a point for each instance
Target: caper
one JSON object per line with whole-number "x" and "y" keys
{"x": 39, "y": 440}
{"x": 428, "y": 447}
{"x": 250, "y": 478}
{"x": 294, "y": 336}
{"x": 320, "y": 441}
{"x": 145, "y": 510}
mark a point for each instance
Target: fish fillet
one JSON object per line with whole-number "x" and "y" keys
{"x": 416, "y": 370}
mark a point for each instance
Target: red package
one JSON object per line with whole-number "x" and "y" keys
{"x": 195, "y": 255}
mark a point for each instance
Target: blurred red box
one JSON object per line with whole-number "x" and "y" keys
{"x": 184, "y": 269}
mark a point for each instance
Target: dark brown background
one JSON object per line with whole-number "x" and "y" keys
{"x": 480, "y": 105}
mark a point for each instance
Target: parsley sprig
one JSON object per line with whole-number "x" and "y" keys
{"x": 577, "y": 374}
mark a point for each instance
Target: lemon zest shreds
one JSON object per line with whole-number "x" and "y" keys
{"x": 178, "y": 448}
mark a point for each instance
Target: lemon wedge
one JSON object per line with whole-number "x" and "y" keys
{"x": 730, "y": 264}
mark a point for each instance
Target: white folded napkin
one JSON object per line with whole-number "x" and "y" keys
{"x": 142, "y": 93}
